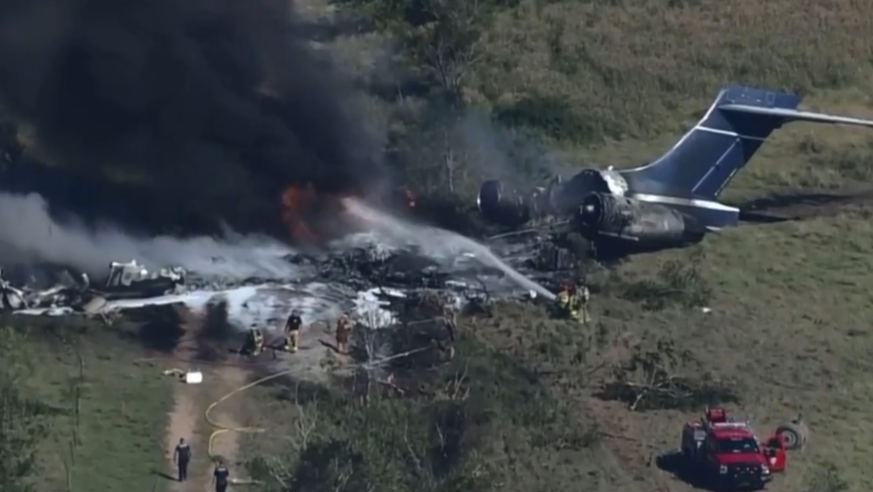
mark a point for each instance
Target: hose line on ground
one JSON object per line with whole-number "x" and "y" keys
{"x": 219, "y": 429}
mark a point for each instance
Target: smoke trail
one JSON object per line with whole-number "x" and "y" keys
{"x": 214, "y": 104}
{"x": 38, "y": 238}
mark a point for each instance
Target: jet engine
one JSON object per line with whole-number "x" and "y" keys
{"x": 502, "y": 205}
{"x": 633, "y": 220}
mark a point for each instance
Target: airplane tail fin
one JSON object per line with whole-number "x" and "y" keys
{"x": 707, "y": 157}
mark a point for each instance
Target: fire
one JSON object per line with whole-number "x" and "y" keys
{"x": 409, "y": 197}
{"x": 313, "y": 216}
{"x": 297, "y": 204}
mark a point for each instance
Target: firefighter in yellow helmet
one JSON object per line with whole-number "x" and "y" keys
{"x": 579, "y": 303}
{"x": 562, "y": 301}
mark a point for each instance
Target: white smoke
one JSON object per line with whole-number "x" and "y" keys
{"x": 437, "y": 243}
{"x": 28, "y": 233}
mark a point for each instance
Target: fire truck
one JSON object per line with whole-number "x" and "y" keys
{"x": 728, "y": 455}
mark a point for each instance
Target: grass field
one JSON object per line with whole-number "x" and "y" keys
{"x": 615, "y": 83}
{"x": 115, "y": 442}
{"x": 609, "y": 82}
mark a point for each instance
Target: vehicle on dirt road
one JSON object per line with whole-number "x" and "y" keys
{"x": 727, "y": 455}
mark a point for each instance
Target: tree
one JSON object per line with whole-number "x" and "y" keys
{"x": 23, "y": 420}
{"x": 443, "y": 40}
{"x": 440, "y": 40}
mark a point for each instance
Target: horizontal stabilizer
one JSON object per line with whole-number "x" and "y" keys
{"x": 789, "y": 115}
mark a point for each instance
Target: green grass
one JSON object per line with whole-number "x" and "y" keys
{"x": 636, "y": 68}
{"x": 791, "y": 320}
{"x": 481, "y": 422}
{"x": 609, "y": 82}
{"x": 123, "y": 409}
{"x": 616, "y": 83}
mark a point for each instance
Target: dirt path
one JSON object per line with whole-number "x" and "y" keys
{"x": 183, "y": 424}
{"x": 186, "y": 419}
{"x": 222, "y": 374}
{"x": 226, "y": 444}
{"x": 804, "y": 204}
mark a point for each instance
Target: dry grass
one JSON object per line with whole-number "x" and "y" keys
{"x": 615, "y": 82}
{"x": 790, "y": 325}
{"x": 632, "y": 68}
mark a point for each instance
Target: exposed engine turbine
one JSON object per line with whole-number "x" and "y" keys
{"x": 506, "y": 206}
{"x": 625, "y": 218}
{"x": 502, "y": 205}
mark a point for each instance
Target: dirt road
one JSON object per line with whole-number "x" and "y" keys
{"x": 185, "y": 421}
{"x": 225, "y": 444}
{"x": 222, "y": 374}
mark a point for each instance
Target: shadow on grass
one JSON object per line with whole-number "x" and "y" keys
{"x": 159, "y": 327}
{"x": 164, "y": 475}
{"x": 674, "y": 462}
{"x": 217, "y": 331}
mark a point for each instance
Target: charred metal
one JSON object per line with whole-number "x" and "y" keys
{"x": 626, "y": 218}
{"x": 47, "y": 287}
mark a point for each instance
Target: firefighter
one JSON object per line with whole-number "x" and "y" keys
{"x": 449, "y": 321}
{"x": 292, "y": 331}
{"x": 562, "y": 301}
{"x": 254, "y": 342}
{"x": 580, "y": 303}
{"x": 343, "y": 327}
{"x": 446, "y": 348}
{"x": 220, "y": 476}
{"x": 182, "y": 456}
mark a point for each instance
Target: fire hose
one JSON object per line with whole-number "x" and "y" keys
{"x": 219, "y": 428}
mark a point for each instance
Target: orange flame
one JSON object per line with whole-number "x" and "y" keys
{"x": 313, "y": 217}
{"x": 297, "y": 204}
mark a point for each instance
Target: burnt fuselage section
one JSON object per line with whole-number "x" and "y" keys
{"x": 593, "y": 203}
{"x": 620, "y": 225}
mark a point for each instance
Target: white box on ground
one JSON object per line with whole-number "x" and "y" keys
{"x": 193, "y": 377}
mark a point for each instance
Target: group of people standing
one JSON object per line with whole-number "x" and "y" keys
{"x": 255, "y": 343}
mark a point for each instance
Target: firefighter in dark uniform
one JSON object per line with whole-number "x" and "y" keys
{"x": 181, "y": 457}
{"x": 254, "y": 342}
{"x": 292, "y": 331}
{"x": 220, "y": 476}
{"x": 343, "y": 328}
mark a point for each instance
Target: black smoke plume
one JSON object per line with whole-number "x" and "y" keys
{"x": 209, "y": 107}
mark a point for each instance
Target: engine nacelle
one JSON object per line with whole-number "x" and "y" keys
{"x": 502, "y": 205}
{"x": 626, "y": 218}
{"x": 569, "y": 197}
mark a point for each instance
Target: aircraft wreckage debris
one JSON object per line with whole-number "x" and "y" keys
{"x": 42, "y": 289}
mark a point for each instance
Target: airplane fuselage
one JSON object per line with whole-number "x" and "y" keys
{"x": 672, "y": 201}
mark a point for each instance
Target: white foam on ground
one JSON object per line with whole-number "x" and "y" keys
{"x": 267, "y": 305}
{"x": 372, "y": 311}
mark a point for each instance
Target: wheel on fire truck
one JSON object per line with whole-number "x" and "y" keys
{"x": 795, "y": 434}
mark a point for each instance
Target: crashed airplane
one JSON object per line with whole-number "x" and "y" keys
{"x": 670, "y": 202}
